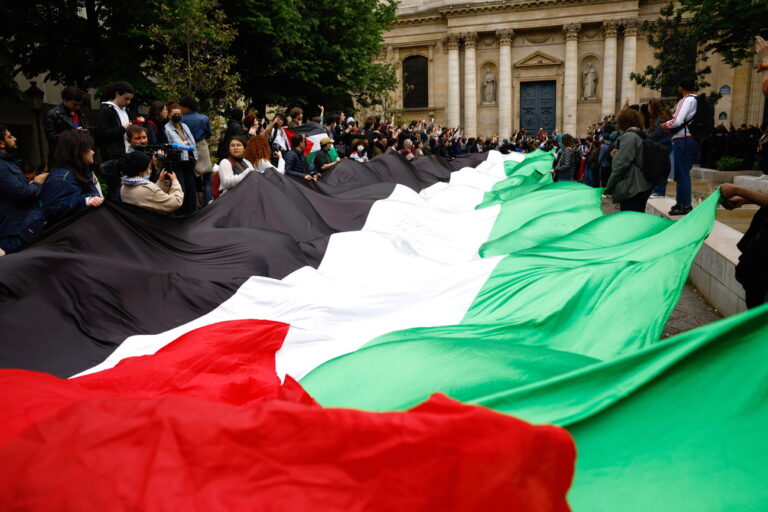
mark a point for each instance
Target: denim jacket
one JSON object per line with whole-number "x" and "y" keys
{"x": 18, "y": 202}
{"x": 173, "y": 138}
{"x": 63, "y": 195}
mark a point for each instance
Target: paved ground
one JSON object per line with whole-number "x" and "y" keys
{"x": 691, "y": 311}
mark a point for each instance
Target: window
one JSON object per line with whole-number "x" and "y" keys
{"x": 415, "y": 82}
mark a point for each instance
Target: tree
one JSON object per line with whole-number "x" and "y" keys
{"x": 689, "y": 31}
{"x": 305, "y": 52}
{"x": 194, "y": 40}
{"x": 87, "y": 43}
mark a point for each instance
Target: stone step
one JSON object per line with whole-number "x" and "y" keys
{"x": 718, "y": 177}
{"x": 758, "y": 184}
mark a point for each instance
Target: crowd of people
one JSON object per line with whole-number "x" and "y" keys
{"x": 162, "y": 161}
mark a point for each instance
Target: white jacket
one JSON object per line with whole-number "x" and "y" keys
{"x": 686, "y": 109}
{"x": 227, "y": 176}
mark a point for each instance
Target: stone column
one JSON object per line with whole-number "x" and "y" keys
{"x": 755, "y": 100}
{"x": 504, "y": 97}
{"x": 571, "y": 78}
{"x": 610, "y": 55}
{"x": 470, "y": 85}
{"x": 628, "y": 61}
{"x": 454, "y": 115}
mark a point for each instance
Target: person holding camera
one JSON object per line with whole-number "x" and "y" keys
{"x": 165, "y": 196}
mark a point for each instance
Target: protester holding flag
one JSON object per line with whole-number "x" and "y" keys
{"x": 295, "y": 162}
{"x": 72, "y": 186}
{"x": 297, "y": 116}
{"x": 277, "y": 136}
{"x": 323, "y": 162}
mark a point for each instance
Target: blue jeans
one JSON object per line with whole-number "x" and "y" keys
{"x": 661, "y": 190}
{"x": 683, "y": 153}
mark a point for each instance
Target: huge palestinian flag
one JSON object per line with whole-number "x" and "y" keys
{"x": 372, "y": 341}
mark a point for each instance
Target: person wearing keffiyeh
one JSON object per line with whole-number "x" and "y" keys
{"x": 164, "y": 197}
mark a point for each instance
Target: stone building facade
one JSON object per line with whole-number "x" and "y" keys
{"x": 491, "y": 67}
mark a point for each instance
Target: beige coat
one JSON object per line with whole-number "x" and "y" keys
{"x": 163, "y": 198}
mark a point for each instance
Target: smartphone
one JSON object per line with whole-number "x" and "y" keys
{"x": 764, "y": 33}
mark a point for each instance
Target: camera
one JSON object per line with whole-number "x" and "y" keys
{"x": 151, "y": 150}
{"x": 276, "y": 147}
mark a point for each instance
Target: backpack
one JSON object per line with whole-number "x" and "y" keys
{"x": 703, "y": 123}
{"x": 656, "y": 164}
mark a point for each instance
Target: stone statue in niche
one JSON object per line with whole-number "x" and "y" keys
{"x": 489, "y": 87}
{"x": 589, "y": 81}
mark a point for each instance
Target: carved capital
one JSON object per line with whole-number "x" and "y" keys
{"x": 505, "y": 36}
{"x": 571, "y": 31}
{"x": 451, "y": 41}
{"x": 470, "y": 39}
{"x": 631, "y": 27}
{"x": 610, "y": 28}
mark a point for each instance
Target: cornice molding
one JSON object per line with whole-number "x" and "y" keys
{"x": 418, "y": 19}
{"x": 498, "y": 6}
{"x": 414, "y": 43}
{"x": 503, "y": 6}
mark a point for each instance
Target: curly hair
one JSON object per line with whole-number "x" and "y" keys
{"x": 628, "y": 118}
{"x": 257, "y": 149}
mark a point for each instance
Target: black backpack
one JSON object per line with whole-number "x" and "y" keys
{"x": 656, "y": 164}
{"x": 703, "y": 123}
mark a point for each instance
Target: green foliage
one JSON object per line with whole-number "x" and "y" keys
{"x": 302, "y": 52}
{"x": 194, "y": 38}
{"x": 675, "y": 49}
{"x": 730, "y": 163}
{"x": 87, "y": 43}
{"x": 727, "y": 27}
{"x": 687, "y": 32}
{"x": 287, "y": 52}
